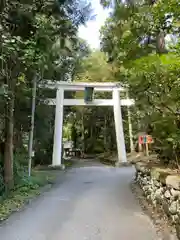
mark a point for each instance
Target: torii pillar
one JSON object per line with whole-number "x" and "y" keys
{"x": 121, "y": 149}
{"x": 58, "y": 129}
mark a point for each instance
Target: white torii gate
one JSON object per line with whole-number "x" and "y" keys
{"x": 60, "y": 102}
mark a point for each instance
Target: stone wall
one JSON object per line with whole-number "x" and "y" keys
{"x": 162, "y": 188}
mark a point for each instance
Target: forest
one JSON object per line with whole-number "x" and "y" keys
{"x": 139, "y": 48}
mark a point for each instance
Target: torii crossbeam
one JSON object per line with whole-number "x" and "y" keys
{"x": 60, "y": 102}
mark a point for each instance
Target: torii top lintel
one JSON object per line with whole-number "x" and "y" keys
{"x": 79, "y": 86}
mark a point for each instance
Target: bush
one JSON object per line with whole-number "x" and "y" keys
{"x": 2, "y": 186}
{"x": 43, "y": 154}
{"x": 20, "y": 170}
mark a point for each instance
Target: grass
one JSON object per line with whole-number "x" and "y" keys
{"x": 67, "y": 163}
{"x": 26, "y": 190}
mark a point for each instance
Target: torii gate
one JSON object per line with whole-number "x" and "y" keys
{"x": 60, "y": 102}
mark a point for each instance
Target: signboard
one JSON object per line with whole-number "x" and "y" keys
{"x": 145, "y": 139}
{"x": 149, "y": 139}
{"x": 140, "y": 140}
{"x": 88, "y": 94}
{"x": 68, "y": 144}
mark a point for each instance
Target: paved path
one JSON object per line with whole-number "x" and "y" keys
{"x": 92, "y": 203}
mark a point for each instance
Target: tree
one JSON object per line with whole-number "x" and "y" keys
{"x": 36, "y": 37}
{"x": 99, "y": 136}
{"x": 95, "y": 68}
{"x": 134, "y": 38}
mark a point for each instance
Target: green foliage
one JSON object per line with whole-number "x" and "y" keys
{"x": 94, "y": 130}
{"x": 95, "y": 68}
{"x": 135, "y": 38}
{"x": 26, "y": 190}
{"x": 2, "y": 187}
{"x": 37, "y": 38}
{"x": 67, "y": 131}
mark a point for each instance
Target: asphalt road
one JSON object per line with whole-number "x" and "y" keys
{"x": 92, "y": 203}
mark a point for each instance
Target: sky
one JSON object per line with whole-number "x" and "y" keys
{"x": 90, "y": 32}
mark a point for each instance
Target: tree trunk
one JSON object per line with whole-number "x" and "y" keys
{"x": 74, "y": 135}
{"x": 18, "y": 135}
{"x": 106, "y": 147}
{"x": 8, "y": 154}
{"x": 83, "y": 134}
{"x": 160, "y": 39}
{"x": 161, "y": 42}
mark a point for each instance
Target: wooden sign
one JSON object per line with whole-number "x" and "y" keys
{"x": 140, "y": 140}
{"x": 145, "y": 140}
{"x": 149, "y": 139}
{"x": 68, "y": 144}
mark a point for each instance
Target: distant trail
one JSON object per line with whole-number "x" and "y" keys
{"x": 92, "y": 203}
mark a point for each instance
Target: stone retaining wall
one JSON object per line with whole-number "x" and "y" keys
{"x": 162, "y": 188}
